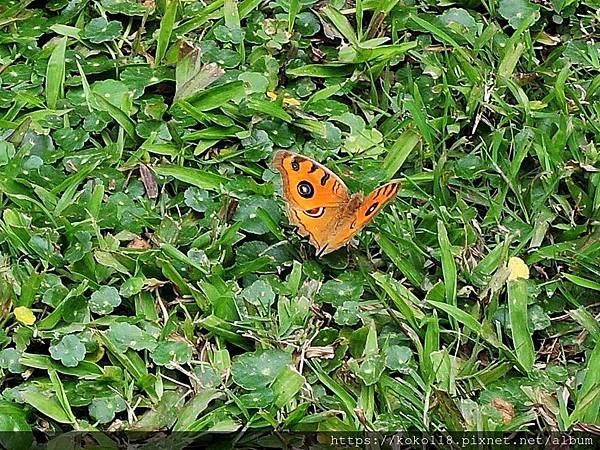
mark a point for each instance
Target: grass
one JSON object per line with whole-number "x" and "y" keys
{"x": 149, "y": 279}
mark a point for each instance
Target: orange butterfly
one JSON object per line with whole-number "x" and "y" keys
{"x": 320, "y": 204}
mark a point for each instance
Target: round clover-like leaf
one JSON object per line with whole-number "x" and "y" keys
{"x": 233, "y": 35}
{"x": 246, "y": 213}
{"x": 257, "y": 146}
{"x": 459, "y": 20}
{"x": 197, "y": 199}
{"x": 125, "y": 7}
{"x": 348, "y": 313}
{"x": 114, "y": 92}
{"x": 16, "y": 73}
{"x": 100, "y": 30}
{"x": 517, "y": 11}
{"x": 307, "y": 23}
{"x": 370, "y": 369}
{"x": 539, "y": 318}
{"x": 96, "y": 121}
{"x": 397, "y": 357}
{"x": 337, "y": 292}
{"x": 259, "y": 369}
{"x": 329, "y": 137}
{"x": 124, "y": 335}
{"x": 207, "y": 375}
{"x": 132, "y": 286}
{"x": 69, "y": 351}
{"x": 81, "y": 246}
{"x": 261, "y": 398}
{"x": 104, "y": 409}
{"x": 33, "y": 162}
{"x": 104, "y": 300}
{"x": 168, "y": 352}
{"x": 254, "y": 82}
{"x": 139, "y": 77}
{"x": 71, "y": 139}
{"x": 327, "y": 107}
{"x": 9, "y": 359}
{"x": 259, "y": 293}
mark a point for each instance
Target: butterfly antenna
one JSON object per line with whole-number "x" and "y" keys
{"x": 321, "y": 250}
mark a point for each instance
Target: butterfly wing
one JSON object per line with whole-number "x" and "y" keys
{"x": 308, "y": 185}
{"x": 356, "y": 217}
{"x": 315, "y": 224}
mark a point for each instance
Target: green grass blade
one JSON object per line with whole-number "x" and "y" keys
{"x": 400, "y": 150}
{"x": 341, "y": 23}
{"x": 166, "y": 30}
{"x": 448, "y": 264}
{"x": 117, "y": 114}
{"x": 201, "y": 178}
{"x": 521, "y": 336}
{"x": 55, "y": 73}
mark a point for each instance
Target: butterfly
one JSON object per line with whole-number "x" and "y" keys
{"x": 320, "y": 204}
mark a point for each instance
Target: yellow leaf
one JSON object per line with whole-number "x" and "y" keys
{"x": 517, "y": 269}
{"x": 24, "y": 315}
{"x": 289, "y": 101}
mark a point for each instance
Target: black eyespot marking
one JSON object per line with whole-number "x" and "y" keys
{"x": 324, "y": 179}
{"x": 295, "y": 165}
{"x": 372, "y": 208}
{"x": 313, "y": 168}
{"x": 315, "y": 212}
{"x": 305, "y": 189}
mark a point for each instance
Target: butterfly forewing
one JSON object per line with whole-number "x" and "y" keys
{"x": 308, "y": 185}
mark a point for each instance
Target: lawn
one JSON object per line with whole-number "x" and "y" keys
{"x": 150, "y": 278}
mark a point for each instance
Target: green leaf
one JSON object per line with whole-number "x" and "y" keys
{"x": 15, "y": 432}
{"x": 348, "y": 313}
{"x": 55, "y": 73}
{"x": 448, "y": 264}
{"x": 166, "y": 29}
{"x": 104, "y": 300}
{"x": 259, "y": 369}
{"x": 167, "y": 353}
{"x": 216, "y": 97}
{"x": 100, "y": 30}
{"x": 47, "y": 405}
{"x": 126, "y": 7}
{"x": 124, "y": 335}
{"x": 517, "y": 11}
{"x": 10, "y": 359}
{"x": 287, "y": 384}
{"x": 69, "y": 351}
{"x": 200, "y": 178}
{"x": 104, "y": 409}
{"x": 259, "y": 293}
{"x": 519, "y": 323}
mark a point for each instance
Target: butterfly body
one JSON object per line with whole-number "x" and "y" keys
{"x": 320, "y": 204}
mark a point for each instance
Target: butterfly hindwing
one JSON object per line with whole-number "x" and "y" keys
{"x": 374, "y": 203}
{"x": 356, "y": 217}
